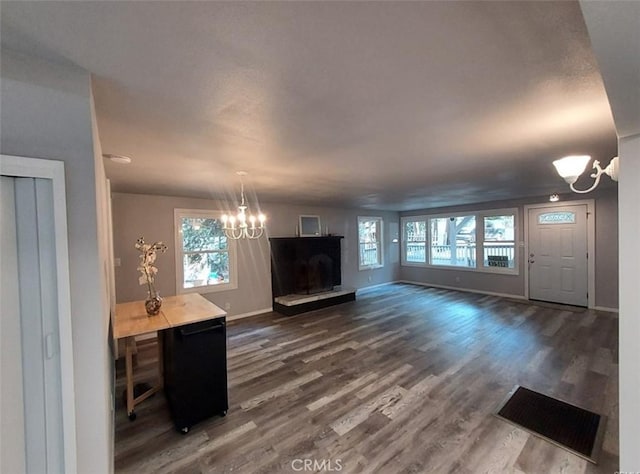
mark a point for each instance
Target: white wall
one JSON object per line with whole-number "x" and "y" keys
{"x": 614, "y": 30}
{"x": 629, "y": 151}
{"x": 103, "y": 312}
{"x": 46, "y": 113}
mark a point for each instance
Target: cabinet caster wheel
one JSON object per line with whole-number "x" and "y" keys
{"x": 184, "y": 430}
{"x": 224, "y": 413}
{"x": 132, "y": 416}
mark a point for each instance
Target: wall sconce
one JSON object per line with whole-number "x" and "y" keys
{"x": 571, "y": 167}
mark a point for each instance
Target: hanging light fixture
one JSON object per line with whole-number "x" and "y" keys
{"x": 571, "y": 167}
{"x": 243, "y": 225}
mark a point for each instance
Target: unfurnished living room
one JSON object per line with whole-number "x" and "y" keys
{"x": 320, "y": 236}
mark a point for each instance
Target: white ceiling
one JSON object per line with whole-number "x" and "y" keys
{"x": 369, "y": 104}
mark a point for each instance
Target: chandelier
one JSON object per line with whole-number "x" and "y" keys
{"x": 243, "y": 225}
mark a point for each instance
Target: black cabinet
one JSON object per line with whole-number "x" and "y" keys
{"x": 195, "y": 371}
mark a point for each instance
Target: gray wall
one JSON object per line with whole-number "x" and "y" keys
{"x": 606, "y": 247}
{"x": 136, "y": 215}
{"x": 46, "y": 113}
{"x": 152, "y": 217}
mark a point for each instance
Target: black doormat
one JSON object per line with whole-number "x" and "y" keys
{"x": 568, "y": 426}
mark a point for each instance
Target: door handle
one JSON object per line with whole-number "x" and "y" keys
{"x": 49, "y": 346}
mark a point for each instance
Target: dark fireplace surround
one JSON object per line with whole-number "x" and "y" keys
{"x": 305, "y": 266}
{"x": 313, "y": 274}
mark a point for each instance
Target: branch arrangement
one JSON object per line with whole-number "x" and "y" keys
{"x": 148, "y": 253}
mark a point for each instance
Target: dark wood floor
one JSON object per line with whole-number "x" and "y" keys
{"x": 403, "y": 380}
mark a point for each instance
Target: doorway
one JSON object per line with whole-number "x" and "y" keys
{"x": 559, "y": 269}
{"x": 37, "y": 429}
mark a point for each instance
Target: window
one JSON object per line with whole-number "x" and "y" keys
{"x": 499, "y": 242}
{"x": 370, "y": 242}
{"x": 478, "y": 241}
{"x": 415, "y": 237}
{"x": 453, "y": 241}
{"x": 205, "y": 258}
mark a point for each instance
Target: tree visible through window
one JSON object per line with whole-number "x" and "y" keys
{"x": 370, "y": 242}
{"x": 453, "y": 241}
{"x": 499, "y": 241}
{"x": 480, "y": 241}
{"x": 415, "y": 235}
{"x": 205, "y": 259}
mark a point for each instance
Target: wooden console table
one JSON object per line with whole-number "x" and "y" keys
{"x": 131, "y": 320}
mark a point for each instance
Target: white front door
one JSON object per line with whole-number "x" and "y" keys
{"x": 558, "y": 254}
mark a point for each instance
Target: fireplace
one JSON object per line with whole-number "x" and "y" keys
{"x": 306, "y": 266}
{"x": 313, "y": 275}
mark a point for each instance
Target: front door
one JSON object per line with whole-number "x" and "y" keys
{"x": 558, "y": 254}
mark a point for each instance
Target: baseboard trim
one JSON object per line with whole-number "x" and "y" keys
{"x": 604, "y": 308}
{"x": 249, "y": 314}
{"x": 466, "y": 290}
{"x": 366, "y": 288}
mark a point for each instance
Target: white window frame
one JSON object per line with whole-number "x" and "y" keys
{"x": 403, "y": 247}
{"x": 430, "y": 240}
{"x": 479, "y": 240}
{"x": 480, "y": 243}
{"x": 379, "y": 241}
{"x": 178, "y": 215}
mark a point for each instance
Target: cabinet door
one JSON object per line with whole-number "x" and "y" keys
{"x": 195, "y": 358}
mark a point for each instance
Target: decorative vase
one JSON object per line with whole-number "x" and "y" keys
{"x": 153, "y": 303}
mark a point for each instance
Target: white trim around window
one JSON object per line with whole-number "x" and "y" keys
{"x": 370, "y": 242}
{"x": 425, "y": 240}
{"x": 225, "y": 247}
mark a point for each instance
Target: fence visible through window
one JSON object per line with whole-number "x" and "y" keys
{"x": 369, "y": 254}
{"x": 464, "y": 255}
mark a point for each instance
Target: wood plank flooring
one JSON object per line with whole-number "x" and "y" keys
{"x": 403, "y": 380}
